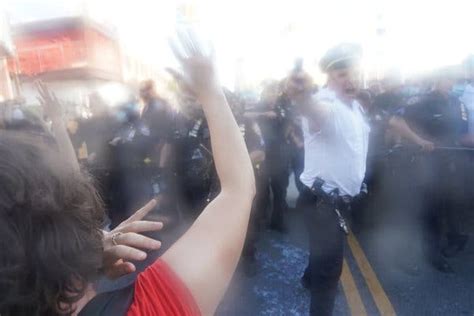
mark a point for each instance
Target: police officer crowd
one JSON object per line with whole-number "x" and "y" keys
{"x": 395, "y": 150}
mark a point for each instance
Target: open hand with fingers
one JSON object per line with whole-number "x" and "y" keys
{"x": 126, "y": 243}
{"x": 52, "y": 107}
{"x": 198, "y": 71}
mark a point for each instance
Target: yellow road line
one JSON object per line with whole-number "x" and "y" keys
{"x": 381, "y": 300}
{"x": 351, "y": 292}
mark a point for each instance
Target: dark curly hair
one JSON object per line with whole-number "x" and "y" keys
{"x": 50, "y": 237}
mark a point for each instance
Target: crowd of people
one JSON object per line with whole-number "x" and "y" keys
{"x": 398, "y": 149}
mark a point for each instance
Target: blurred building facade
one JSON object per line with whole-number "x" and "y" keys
{"x": 6, "y": 51}
{"x": 76, "y": 57}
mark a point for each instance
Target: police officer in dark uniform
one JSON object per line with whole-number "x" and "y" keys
{"x": 197, "y": 179}
{"x": 91, "y": 142}
{"x": 194, "y": 165}
{"x": 295, "y": 136}
{"x": 298, "y": 80}
{"x": 442, "y": 118}
{"x": 194, "y": 162}
{"x": 272, "y": 117}
{"x": 386, "y": 175}
{"x": 256, "y": 147}
{"x": 142, "y": 151}
{"x": 196, "y": 168}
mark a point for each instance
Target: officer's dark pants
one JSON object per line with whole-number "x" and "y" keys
{"x": 441, "y": 212}
{"x": 278, "y": 184}
{"x": 443, "y": 197}
{"x": 131, "y": 191}
{"x": 256, "y": 216}
{"x": 261, "y": 201}
{"x": 326, "y": 246}
{"x": 251, "y": 237}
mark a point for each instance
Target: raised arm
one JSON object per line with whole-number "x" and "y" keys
{"x": 206, "y": 256}
{"x": 53, "y": 109}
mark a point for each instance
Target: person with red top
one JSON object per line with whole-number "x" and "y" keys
{"x": 53, "y": 248}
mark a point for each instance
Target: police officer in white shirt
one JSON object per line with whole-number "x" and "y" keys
{"x": 335, "y": 140}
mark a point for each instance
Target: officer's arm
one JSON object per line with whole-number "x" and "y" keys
{"x": 206, "y": 256}
{"x": 168, "y": 122}
{"x": 294, "y": 137}
{"x": 256, "y": 115}
{"x": 400, "y": 126}
{"x": 255, "y": 144}
{"x": 252, "y": 115}
{"x": 166, "y": 155}
{"x": 319, "y": 115}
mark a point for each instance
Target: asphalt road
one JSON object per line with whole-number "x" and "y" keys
{"x": 384, "y": 274}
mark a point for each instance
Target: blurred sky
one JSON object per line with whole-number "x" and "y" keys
{"x": 267, "y": 35}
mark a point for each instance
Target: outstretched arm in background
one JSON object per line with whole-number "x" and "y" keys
{"x": 206, "y": 257}
{"x": 400, "y": 126}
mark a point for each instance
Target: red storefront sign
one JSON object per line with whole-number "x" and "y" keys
{"x": 64, "y": 45}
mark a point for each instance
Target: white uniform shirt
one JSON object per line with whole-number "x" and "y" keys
{"x": 338, "y": 152}
{"x": 468, "y": 100}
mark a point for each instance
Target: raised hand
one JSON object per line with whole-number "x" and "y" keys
{"x": 198, "y": 70}
{"x": 126, "y": 243}
{"x": 52, "y": 107}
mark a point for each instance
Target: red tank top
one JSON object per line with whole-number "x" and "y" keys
{"x": 159, "y": 291}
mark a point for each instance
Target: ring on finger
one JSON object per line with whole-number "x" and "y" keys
{"x": 114, "y": 238}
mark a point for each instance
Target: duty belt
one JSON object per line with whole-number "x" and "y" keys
{"x": 333, "y": 198}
